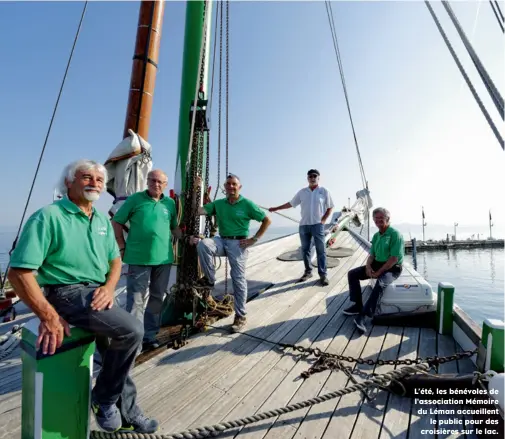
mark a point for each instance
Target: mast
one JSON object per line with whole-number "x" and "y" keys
{"x": 424, "y": 222}
{"x": 490, "y": 225}
{"x": 145, "y": 66}
{"x": 193, "y": 38}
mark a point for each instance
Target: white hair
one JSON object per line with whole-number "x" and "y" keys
{"x": 68, "y": 174}
{"x": 382, "y": 210}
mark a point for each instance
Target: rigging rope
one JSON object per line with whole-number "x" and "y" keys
{"x": 488, "y": 82}
{"x": 467, "y": 79}
{"x": 329, "y": 12}
{"x": 4, "y": 278}
{"x": 500, "y": 21}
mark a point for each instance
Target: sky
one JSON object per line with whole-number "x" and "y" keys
{"x": 422, "y": 138}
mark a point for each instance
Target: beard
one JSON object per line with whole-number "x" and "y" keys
{"x": 91, "y": 195}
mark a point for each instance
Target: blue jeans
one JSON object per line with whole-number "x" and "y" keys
{"x": 118, "y": 337}
{"x": 237, "y": 256}
{"x": 141, "y": 281}
{"x": 385, "y": 279}
{"x": 308, "y": 232}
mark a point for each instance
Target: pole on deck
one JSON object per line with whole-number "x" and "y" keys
{"x": 145, "y": 66}
{"x": 56, "y": 388}
{"x": 493, "y": 341}
{"x": 445, "y": 304}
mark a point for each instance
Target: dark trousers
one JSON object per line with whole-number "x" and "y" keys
{"x": 118, "y": 338}
{"x": 385, "y": 279}
{"x": 308, "y": 232}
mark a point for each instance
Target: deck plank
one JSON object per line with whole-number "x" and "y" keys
{"x": 397, "y": 410}
{"x": 419, "y": 422}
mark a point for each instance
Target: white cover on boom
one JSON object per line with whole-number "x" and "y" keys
{"x": 361, "y": 205}
{"x": 127, "y": 167}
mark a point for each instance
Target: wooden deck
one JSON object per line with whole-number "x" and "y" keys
{"x": 221, "y": 376}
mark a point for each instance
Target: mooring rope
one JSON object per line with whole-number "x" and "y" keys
{"x": 10, "y": 341}
{"x": 380, "y": 381}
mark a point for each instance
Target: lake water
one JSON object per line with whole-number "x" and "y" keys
{"x": 477, "y": 274}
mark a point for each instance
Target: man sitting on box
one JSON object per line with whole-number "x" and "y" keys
{"x": 384, "y": 264}
{"x": 72, "y": 247}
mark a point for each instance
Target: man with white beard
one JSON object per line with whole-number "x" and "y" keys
{"x": 73, "y": 249}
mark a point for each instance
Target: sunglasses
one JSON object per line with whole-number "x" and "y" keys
{"x": 313, "y": 176}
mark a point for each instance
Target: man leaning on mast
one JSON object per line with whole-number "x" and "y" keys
{"x": 316, "y": 205}
{"x": 148, "y": 251}
{"x": 72, "y": 247}
{"x": 384, "y": 264}
{"x": 233, "y": 215}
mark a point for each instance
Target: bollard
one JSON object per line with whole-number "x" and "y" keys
{"x": 445, "y": 303}
{"x": 56, "y": 388}
{"x": 493, "y": 342}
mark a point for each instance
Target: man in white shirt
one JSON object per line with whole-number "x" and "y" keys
{"x": 316, "y": 205}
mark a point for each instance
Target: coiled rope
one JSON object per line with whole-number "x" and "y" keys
{"x": 10, "y": 341}
{"x": 380, "y": 381}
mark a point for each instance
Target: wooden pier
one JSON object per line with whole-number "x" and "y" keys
{"x": 454, "y": 245}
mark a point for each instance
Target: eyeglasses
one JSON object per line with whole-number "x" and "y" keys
{"x": 313, "y": 176}
{"x": 155, "y": 180}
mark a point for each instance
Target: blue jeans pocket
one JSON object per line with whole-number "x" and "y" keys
{"x": 71, "y": 299}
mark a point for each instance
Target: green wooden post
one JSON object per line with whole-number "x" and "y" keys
{"x": 56, "y": 388}
{"x": 445, "y": 303}
{"x": 493, "y": 341}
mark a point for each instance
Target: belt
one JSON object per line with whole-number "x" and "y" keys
{"x": 50, "y": 288}
{"x": 233, "y": 237}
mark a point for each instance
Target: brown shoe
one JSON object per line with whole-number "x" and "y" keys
{"x": 238, "y": 323}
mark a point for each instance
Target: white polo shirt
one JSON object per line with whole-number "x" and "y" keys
{"x": 314, "y": 204}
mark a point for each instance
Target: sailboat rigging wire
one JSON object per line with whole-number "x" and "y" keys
{"x": 329, "y": 12}
{"x": 488, "y": 82}
{"x": 227, "y": 74}
{"x": 499, "y": 10}
{"x": 213, "y": 64}
{"x": 500, "y": 21}
{"x": 3, "y": 280}
{"x": 467, "y": 79}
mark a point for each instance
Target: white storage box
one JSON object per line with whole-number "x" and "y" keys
{"x": 409, "y": 293}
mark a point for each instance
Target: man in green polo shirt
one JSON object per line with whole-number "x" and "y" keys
{"x": 148, "y": 251}
{"x": 384, "y": 264}
{"x": 72, "y": 247}
{"x": 233, "y": 215}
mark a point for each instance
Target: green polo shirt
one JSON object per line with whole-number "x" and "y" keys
{"x": 388, "y": 244}
{"x": 149, "y": 239}
{"x": 65, "y": 246}
{"x": 233, "y": 219}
